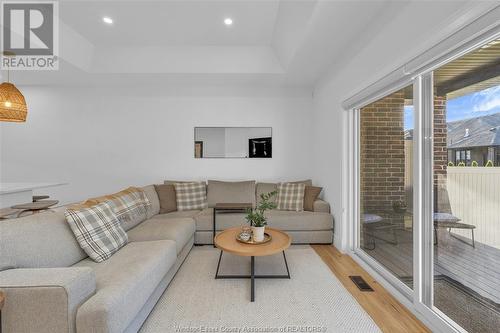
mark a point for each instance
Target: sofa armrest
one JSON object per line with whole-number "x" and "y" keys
{"x": 321, "y": 206}
{"x": 44, "y": 299}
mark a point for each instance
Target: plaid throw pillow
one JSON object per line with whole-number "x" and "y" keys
{"x": 130, "y": 205}
{"x": 291, "y": 196}
{"x": 191, "y": 196}
{"x": 97, "y": 230}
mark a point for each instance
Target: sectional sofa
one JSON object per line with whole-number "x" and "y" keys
{"x": 52, "y": 286}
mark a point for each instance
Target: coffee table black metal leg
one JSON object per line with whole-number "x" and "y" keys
{"x": 218, "y": 265}
{"x": 252, "y": 275}
{"x": 286, "y": 265}
{"x": 252, "y": 293}
{"x": 213, "y": 238}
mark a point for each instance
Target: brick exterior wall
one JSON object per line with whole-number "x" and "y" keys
{"x": 440, "y": 151}
{"x": 382, "y": 153}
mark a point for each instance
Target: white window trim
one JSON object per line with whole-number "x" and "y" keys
{"x": 480, "y": 31}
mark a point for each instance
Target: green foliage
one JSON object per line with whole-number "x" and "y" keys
{"x": 451, "y": 164}
{"x": 256, "y": 216}
{"x": 489, "y": 163}
{"x": 461, "y": 164}
{"x": 474, "y": 164}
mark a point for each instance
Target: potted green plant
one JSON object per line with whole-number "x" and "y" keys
{"x": 256, "y": 216}
{"x": 399, "y": 206}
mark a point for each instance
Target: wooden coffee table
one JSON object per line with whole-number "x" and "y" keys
{"x": 226, "y": 242}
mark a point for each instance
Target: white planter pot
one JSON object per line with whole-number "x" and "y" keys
{"x": 258, "y": 233}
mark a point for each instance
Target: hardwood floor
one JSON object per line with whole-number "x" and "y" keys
{"x": 386, "y": 311}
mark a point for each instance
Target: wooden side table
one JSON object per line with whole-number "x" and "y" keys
{"x": 228, "y": 208}
{"x": 2, "y": 302}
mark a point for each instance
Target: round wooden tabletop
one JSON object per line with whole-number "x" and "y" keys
{"x": 37, "y": 205}
{"x": 226, "y": 241}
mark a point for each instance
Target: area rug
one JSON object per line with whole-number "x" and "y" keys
{"x": 313, "y": 300}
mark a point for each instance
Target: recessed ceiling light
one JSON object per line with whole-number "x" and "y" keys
{"x": 107, "y": 20}
{"x": 228, "y": 21}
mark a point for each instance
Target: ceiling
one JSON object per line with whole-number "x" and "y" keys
{"x": 140, "y": 23}
{"x": 271, "y": 42}
{"x": 475, "y": 71}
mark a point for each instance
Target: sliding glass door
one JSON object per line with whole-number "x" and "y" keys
{"x": 427, "y": 189}
{"x": 466, "y": 188}
{"x": 386, "y": 198}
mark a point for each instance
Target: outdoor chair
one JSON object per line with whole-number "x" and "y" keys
{"x": 444, "y": 218}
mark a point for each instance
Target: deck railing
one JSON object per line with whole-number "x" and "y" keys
{"x": 474, "y": 194}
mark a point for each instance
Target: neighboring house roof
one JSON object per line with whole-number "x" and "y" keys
{"x": 474, "y": 132}
{"x": 408, "y": 134}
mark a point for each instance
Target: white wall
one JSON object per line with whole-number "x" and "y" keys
{"x": 100, "y": 139}
{"x": 413, "y": 30}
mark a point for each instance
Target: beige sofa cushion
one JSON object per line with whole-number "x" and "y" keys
{"x": 44, "y": 299}
{"x": 230, "y": 192}
{"x": 307, "y": 182}
{"x": 183, "y": 213}
{"x": 204, "y": 220}
{"x": 264, "y": 188}
{"x": 285, "y": 220}
{"x": 299, "y": 221}
{"x": 39, "y": 240}
{"x": 321, "y": 206}
{"x": 124, "y": 284}
{"x": 172, "y": 182}
{"x": 153, "y": 199}
{"x": 180, "y": 230}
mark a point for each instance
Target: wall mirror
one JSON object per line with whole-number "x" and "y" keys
{"x": 233, "y": 142}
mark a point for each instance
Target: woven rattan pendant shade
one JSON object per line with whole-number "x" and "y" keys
{"x": 12, "y": 104}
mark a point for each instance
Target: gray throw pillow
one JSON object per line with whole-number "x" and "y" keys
{"x": 311, "y": 193}
{"x": 166, "y": 195}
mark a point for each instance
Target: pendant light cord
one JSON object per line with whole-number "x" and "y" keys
{"x": 8, "y": 54}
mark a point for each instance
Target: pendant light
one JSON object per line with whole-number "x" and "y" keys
{"x": 12, "y": 103}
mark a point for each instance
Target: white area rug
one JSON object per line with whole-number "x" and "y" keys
{"x": 313, "y": 300}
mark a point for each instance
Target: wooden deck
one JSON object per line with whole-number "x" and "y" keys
{"x": 476, "y": 268}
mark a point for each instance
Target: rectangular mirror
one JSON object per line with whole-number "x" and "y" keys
{"x": 233, "y": 142}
